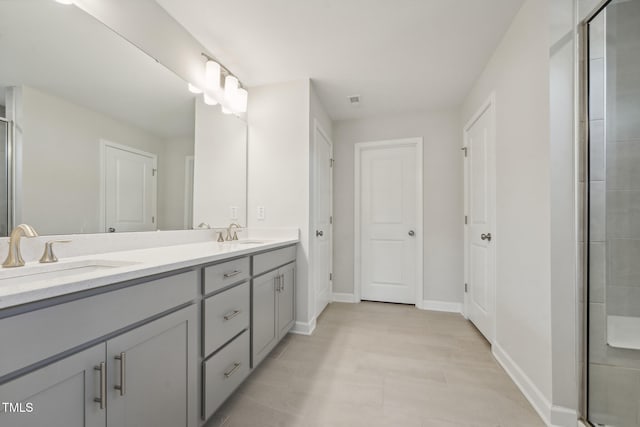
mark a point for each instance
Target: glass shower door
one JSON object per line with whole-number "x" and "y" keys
{"x": 4, "y": 176}
{"x": 613, "y": 368}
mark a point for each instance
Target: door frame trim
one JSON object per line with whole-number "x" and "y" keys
{"x": 103, "y": 183}
{"x": 317, "y": 127}
{"x": 488, "y": 104}
{"x": 359, "y": 148}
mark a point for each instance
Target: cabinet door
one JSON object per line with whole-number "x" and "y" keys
{"x": 151, "y": 374}
{"x": 61, "y": 394}
{"x": 286, "y": 299}
{"x": 264, "y": 326}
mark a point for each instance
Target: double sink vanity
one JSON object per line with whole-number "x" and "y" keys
{"x": 157, "y": 337}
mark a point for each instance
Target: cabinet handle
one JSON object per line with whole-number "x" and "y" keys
{"x": 231, "y": 315}
{"x": 276, "y": 283}
{"x": 103, "y": 385}
{"x": 281, "y": 282}
{"x": 233, "y": 370}
{"x": 233, "y": 273}
{"x": 123, "y": 366}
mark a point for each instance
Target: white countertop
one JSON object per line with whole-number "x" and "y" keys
{"x": 136, "y": 264}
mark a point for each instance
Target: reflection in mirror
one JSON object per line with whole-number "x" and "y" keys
{"x": 614, "y": 215}
{"x": 103, "y": 134}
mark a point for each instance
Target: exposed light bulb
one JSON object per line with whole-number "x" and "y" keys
{"x": 212, "y": 75}
{"x": 230, "y": 90}
{"x": 194, "y": 89}
{"x": 242, "y": 97}
{"x": 209, "y": 100}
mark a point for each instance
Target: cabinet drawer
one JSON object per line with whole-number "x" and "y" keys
{"x": 273, "y": 259}
{"x": 225, "y": 315}
{"x": 224, "y": 372}
{"x": 220, "y": 275}
{"x": 34, "y": 336}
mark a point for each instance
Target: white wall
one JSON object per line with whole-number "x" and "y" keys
{"x": 220, "y": 169}
{"x": 278, "y": 169}
{"x": 443, "y": 196}
{"x": 564, "y": 232}
{"x": 518, "y": 72}
{"x": 60, "y": 166}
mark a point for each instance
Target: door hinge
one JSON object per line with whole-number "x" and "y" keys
{"x": 466, "y": 288}
{"x": 331, "y": 163}
{"x": 330, "y": 276}
{"x": 331, "y": 220}
{"x": 466, "y": 220}
{"x": 465, "y": 151}
{"x": 154, "y": 171}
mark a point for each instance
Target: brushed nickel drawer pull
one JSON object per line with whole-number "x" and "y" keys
{"x": 233, "y": 370}
{"x": 231, "y": 315}
{"x": 103, "y": 385}
{"x": 233, "y": 273}
{"x": 123, "y": 366}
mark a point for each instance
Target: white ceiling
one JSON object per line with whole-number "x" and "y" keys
{"x": 399, "y": 55}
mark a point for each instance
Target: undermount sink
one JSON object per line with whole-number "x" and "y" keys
{"x": 33, "y": 272}
{"x": 249, "y": 242}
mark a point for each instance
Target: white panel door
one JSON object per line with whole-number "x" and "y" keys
{"x": 480, "y": 234}
{"x": 322, "y": 216}
{"x": 388, "y": 223}
{"x": 130, "y": 189}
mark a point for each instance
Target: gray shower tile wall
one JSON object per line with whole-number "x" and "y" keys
{"x": 623, "y": 159}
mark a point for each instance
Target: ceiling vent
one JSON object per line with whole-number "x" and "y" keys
{"x": 354, "y": 100}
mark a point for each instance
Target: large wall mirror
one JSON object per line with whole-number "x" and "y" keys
{"x": 96, "y": 136}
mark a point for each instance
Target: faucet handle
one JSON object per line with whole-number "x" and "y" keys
{"x": 220, "y": 238}
{"x": 48, "y": 256}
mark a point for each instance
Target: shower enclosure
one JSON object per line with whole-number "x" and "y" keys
{"x": 612, "y": 365}
{"x": 5, "y": 129}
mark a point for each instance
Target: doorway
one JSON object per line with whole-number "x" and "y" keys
{"x": 388, "y": 221}
{"x": 480, "y": 253}
{"x": 128, "y": 188}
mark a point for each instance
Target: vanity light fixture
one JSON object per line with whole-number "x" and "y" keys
{"x": 242, "y": 96}
{"x": 233, "y": 98}
{"x": 194, "y": 89}
{"x": 230, "y": 89}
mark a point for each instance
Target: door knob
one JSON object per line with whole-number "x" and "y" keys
{"x": 111, "y": 230}
{"x": 319, "y": 233}
{"x": 412, "y": 233}
{"x": 486, "y": 237}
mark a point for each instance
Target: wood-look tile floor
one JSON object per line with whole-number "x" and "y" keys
{"x": 380, "y": 365}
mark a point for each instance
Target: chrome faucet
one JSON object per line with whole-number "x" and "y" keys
{"x": 14, "y": 258}
{"x": 235, "y": 234}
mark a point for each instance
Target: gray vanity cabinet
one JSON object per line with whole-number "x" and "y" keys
{"x": 149, "y": 372}
{"x": 286, "y": 299}
{"x": 61, "y": 394}
{"x": 265, "y": 309}
{"x": 273, "y": 300}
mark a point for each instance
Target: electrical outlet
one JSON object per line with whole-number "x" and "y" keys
{"x": 260, "y": 213}
{"x": 233, "y": 212}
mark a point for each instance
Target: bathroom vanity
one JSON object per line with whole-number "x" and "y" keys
{"x": 159, "y": 340}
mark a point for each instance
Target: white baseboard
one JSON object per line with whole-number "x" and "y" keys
{"x": 338, "y": 297}
{"x": 524, "y": 383}
{"x": 449, "y": 307}
{"x": 564, "y": 417}
{"x": 304, "y": 328}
